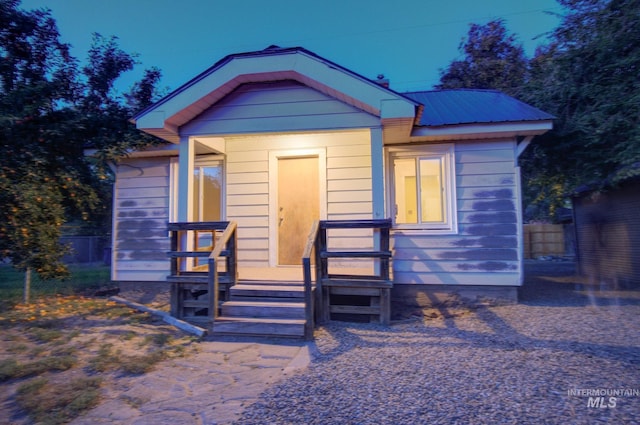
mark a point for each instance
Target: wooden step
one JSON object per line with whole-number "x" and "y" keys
{"x": 288, "y": 310}
{"x": 258, "y": 326}
{"x": 267, "y": 291}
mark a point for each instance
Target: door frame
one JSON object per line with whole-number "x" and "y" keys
{"x": 274, "y": 156}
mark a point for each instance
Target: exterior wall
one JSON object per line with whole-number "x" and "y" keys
{"x": 486, "y": 248}
{"x": 140, "y": 215}
{"x": 608, "y": 235}
{"x": 348, "y": 186}
{"x": 289, "y": 117}
{"x": 275, "y": 107}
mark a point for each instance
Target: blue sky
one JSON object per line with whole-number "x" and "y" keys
{"x": 408, "y": 41}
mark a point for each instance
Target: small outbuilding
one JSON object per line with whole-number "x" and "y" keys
{"x": 607, "y": 225}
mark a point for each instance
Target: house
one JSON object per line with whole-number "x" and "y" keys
{"x": 607, "y": 229}
{"x": 278, "y": 138}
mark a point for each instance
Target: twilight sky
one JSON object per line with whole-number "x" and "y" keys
{"x": 408, "y": 41}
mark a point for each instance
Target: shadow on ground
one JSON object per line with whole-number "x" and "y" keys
{"x": 557, "y": 283}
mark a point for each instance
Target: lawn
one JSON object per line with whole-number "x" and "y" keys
{"x": 60, "y": 354}
{"x": 84, "y": 278}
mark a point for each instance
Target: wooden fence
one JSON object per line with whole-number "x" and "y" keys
{"x": 548, "y": 240}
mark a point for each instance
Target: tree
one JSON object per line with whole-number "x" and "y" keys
{"x": 49, "y": 114}
{"x": 493, "y": 59}
{"x": 588, "y": 77}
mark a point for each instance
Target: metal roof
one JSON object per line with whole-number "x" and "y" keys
{"x": 473, "y": 106}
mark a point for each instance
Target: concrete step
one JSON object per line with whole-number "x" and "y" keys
{"x": 258, "y": 326}
{"x": 288, "y": 310}
{"x": 266, "y": 291}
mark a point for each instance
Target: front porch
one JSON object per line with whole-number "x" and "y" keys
{"x": 209, "y": 289}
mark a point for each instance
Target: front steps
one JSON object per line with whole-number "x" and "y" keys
{"x": 263, "y": 309}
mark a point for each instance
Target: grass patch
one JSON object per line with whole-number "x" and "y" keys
{"x": 54, "y": 340}
{"x": 53, "y": 404}
{"x": 105, "y": 360}
{"x": 110, "y": 360}
{"x": 11, "y": 368}
{"x": 83, "y": 278}
{"x": 159, "y": 340}
{"x": 45, "y": 334}
{"x": 137, "y": 365}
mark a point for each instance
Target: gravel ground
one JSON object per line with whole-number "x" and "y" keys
{"x": 509, "y": 364}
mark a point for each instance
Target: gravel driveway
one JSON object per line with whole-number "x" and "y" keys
{"x": 545, "y": 360}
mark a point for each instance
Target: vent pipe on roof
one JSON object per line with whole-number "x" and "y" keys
{"x": 384, "y": 82}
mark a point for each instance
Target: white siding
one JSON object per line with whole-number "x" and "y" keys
{"x": 277, "y": 106}
{"x": 485, "y": 250}
{"x": 348, "y": 158}
{"x": 140, "y": 214}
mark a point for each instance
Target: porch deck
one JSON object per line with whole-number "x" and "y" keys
{"x": 278, "y": 301}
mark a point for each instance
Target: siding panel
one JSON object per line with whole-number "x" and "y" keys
{"x": 248, "y": 203}
{"x": 140, "y": 214}
{"x": 279, "y": 106}
{"x": 485, "y": 250}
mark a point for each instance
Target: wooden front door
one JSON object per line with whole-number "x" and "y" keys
{"x": 298, "y": 206}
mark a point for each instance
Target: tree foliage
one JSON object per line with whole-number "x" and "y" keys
{"x": 587, "y": 76}
{"x": 50, "y": 112}
{"x": 493, "y": 59}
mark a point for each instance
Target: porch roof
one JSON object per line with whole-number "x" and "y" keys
{"x": 164, "y": 118}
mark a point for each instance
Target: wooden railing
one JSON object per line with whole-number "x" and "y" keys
{"x": 312, "y": 248}
{"x": 228, "y": 241}
{"x": 379, "y": 282}
{"x": 187, "y": 271}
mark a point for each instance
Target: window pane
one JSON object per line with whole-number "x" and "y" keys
{"x": 406, "y": 192}
{"x": 431, "y": 190}
{"x": 211, "y": 193}
{"x": 207, "y": 192}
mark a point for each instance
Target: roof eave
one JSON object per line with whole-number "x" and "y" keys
{"x": 475, "y": 131}
{"x": 164, "y": 118}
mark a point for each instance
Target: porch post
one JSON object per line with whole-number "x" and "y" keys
{"x": 377, "y": 186}
{"x": 185, "y": 178}
{"x": 377, "y": 173}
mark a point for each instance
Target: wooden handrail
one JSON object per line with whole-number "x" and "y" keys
{"x": 224, "y": 245}
{"x": 311, "y": 239}
{"x": 381, "y": 253}
{"x": 228, "y": 237}
{"x": 309, "y": 309}
{"x": 197, "y": 225}
{"x": 317, "y": 241}
{"x": 229, "y": 231}
{"x": 356, "y": 224}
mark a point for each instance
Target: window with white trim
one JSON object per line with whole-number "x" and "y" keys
{"x": 423, "y": 188}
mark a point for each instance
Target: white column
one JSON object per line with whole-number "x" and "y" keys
{"x": 185, "y": 178}
{"x": 377, "y": 173}
{"x": 377, "y": 185}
